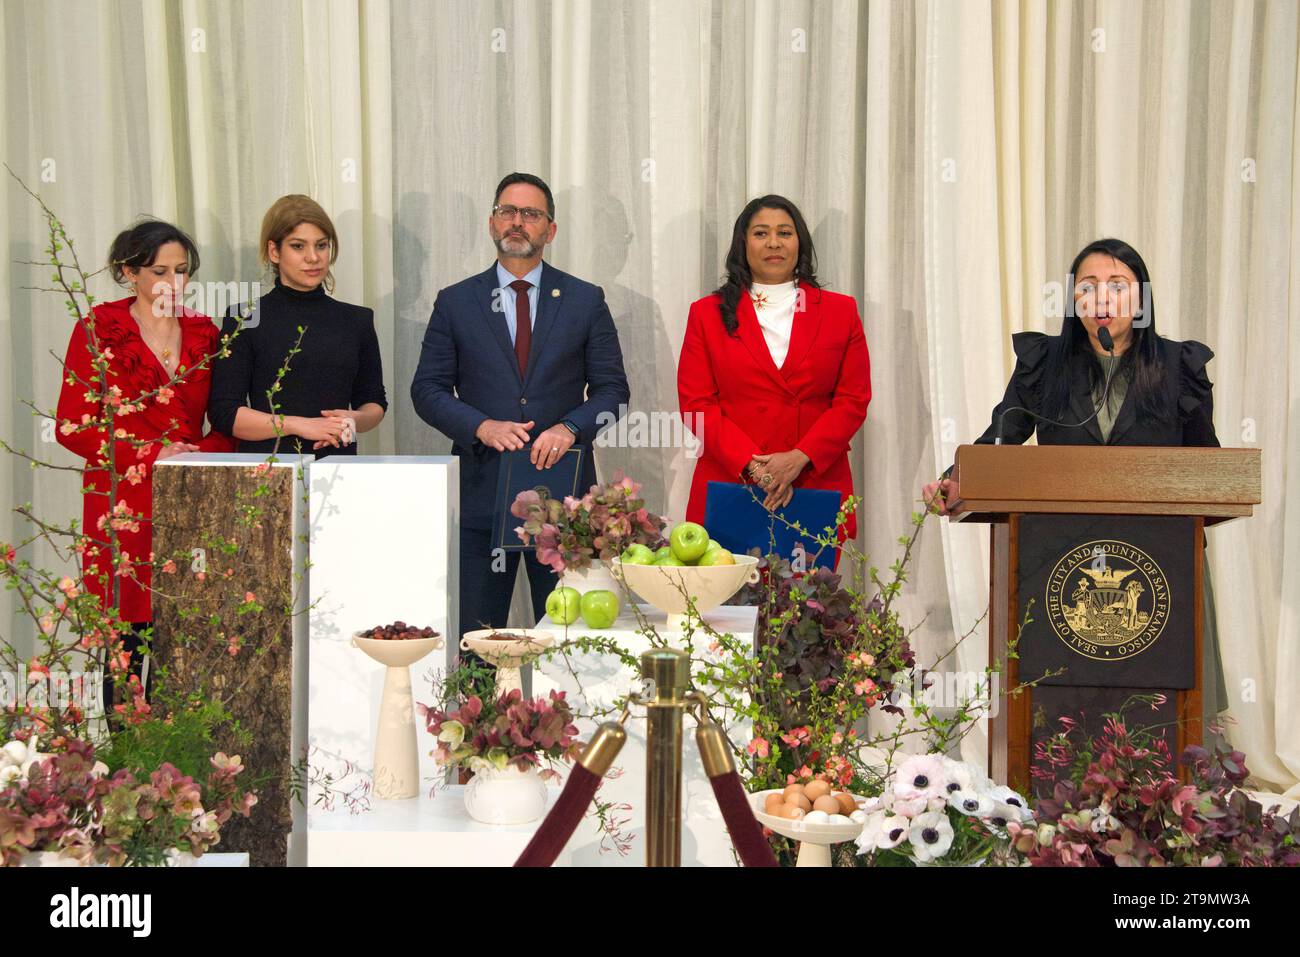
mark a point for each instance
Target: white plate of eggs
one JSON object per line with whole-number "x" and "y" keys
{"x": 812, "y": 812}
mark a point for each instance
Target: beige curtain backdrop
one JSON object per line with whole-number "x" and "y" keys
{"x": 950, "y": 157}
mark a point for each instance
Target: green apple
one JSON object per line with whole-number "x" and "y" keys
{"x": 599, "y": 608}
{"x": 564, "y": 605}
{"x": 717, "y": 556}
{"x": 637, "y": 555}
{"x": 714, "y": 545}
{"x": 688, "y": 542}
{"x": 670, "y": 559}
{"x": 665, "y": 552}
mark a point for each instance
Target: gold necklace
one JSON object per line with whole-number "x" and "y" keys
{"x": 164, "y": 355}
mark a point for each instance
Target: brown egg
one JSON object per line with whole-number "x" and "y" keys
{"x": 773, "y": 803}
{"x": 791, "y": 791}
{"x": 847, "y": 804}
{"x": 800, "y": 802}
{"x": 816, "y": 789}
{"x": 791, "y": 812}
{"x": 827, "y": 803}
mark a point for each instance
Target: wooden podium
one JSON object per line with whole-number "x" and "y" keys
{"x": 1124, "y": 527}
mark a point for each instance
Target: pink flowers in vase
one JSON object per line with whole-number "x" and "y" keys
{"x": 605, "y": 521}
{"x": 68, "y": 802}
{"x": 508, "y": 731}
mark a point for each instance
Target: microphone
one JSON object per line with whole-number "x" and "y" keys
{"x": 1108, "y": 343}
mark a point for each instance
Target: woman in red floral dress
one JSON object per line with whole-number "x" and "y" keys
{"x": 158, "y": 356}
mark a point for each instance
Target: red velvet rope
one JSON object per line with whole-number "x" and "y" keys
{"x": 563, "y": 820}
{"x": 746, "y": 834}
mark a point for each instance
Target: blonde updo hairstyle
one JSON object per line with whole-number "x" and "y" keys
{"x": 288, "y": 213}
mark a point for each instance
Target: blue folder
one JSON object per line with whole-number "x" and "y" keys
{"x": 518, "y": 474}
{"x": 737, "y": 520}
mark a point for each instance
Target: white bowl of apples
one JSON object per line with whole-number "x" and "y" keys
{"x": 691, "y": 566}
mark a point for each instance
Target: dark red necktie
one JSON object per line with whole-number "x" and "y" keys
{"x": 523, "y": 323}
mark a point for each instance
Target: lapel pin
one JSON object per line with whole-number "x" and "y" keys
{"x": 555, "y": 294}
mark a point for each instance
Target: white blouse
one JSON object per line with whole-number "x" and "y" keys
{"x": 774, "y": 306}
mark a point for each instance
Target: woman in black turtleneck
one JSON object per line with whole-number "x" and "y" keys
{"x": 334, "y": 386}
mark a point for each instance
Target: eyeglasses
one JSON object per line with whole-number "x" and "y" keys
{"x": 529, "y": 215}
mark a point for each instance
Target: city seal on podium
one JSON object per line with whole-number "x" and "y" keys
{"x": 1108, "y": 600}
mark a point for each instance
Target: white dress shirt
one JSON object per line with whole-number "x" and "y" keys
{"x": 774, "y": 306}
{"x": 507, "y": 297}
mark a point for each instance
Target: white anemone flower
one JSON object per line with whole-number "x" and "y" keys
{"x": 1001, "y": 815}
{"x": 893, "y": 832}
{"x": 1005, "y": 795}
{"x": 911, "y": 808}
{"x": 920, "y": 775}
{"x": 931, "y": 836}
{"x": 873, "y": 804}
{"x": 9, "y": 774}
{"x": 963, "y": 776}
{"x": 871, "y": 832}
{"x": 971, "y": 803}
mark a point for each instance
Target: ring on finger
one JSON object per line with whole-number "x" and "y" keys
{"x": 765, "y": 481}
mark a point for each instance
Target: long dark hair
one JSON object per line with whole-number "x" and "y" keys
{"x": 1142, "y": 362}
{"x": 138, "y": 246}
{"x": 736, "y": 283}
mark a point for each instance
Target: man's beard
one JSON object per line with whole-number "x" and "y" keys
{"x": 523, "y": 247}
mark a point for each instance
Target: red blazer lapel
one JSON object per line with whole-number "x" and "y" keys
{"x": 807, "y": 322}
{"x": 751, "y": 334}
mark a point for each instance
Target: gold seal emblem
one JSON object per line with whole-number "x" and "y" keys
{"x": 1108, "y": 600}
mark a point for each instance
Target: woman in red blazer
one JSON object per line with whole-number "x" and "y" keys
{"x": 774, "y": 375}
{"x": 154, "y": 347}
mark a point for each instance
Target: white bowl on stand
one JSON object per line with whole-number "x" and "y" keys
{"x": 397, "y": 762}
{"x": 815, "y": 840}
{"x": 667, "y": 587}
{"x": 508, "y": 655}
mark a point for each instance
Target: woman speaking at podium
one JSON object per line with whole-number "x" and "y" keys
{"x": 1108, "y": 378}
{"x": 774, "y": 375}
{"x": 334, "y": 387}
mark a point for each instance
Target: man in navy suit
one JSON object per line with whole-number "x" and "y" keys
{"x": 519, "y": 354}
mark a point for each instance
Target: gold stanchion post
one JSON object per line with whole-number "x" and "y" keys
{"x": 668, "y": 672}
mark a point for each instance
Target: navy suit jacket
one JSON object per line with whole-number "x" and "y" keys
{"x": 468, "y": 373}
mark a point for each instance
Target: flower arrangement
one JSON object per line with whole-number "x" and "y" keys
{"x": 830, "y": 650}
{"x": 937, "y": 811}
{"x": 824, "y": 658}
{"x": 569, "y": 533}
{"x": 68, "y": 803}
{"x": 508, "y": 731}
{"x": 1117, "y": 801}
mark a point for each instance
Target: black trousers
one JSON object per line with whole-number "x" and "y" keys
{"x": 132, "y": 643}
{"x": 487, "y": 581}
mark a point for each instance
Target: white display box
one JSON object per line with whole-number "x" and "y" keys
{"x": 429, "y": 831}
{"x": 384, "y": 546}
